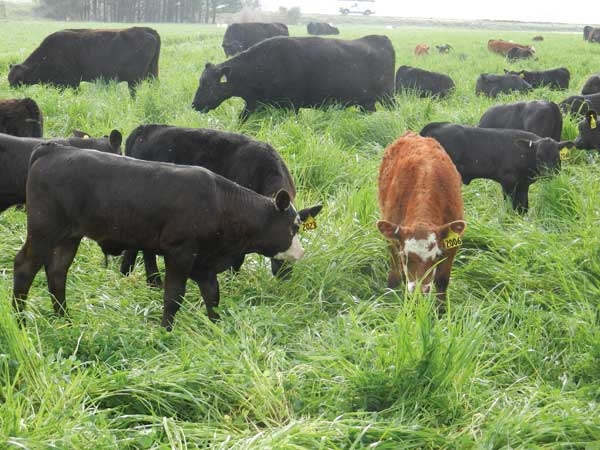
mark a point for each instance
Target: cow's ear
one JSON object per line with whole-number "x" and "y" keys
{"x": 592, "y": 118}
{"x": 80, "y": 134}
{"x": 282, "y": 200}
{"x": 208, "y": 66}
{"x": 389, "y": 230}
{"x": 525, "y": 143}
{"x": 449, "y": 235}
{"x": 115, "y": 139}
{"x": 225, "y": 72}
{"x": 10, "y": 66}
{"x": 309, "y": 212}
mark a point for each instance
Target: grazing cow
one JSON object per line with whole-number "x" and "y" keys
{"x": 579, "y": 105}
{"x": 537, "y": 116}
{"x": 513, "y": 158}
{"x": 321, "y": 29}
{"x": 351, "y": 72}
{"x": 519, "y": 53}
{"x": 21, "y": 117}
{"x": 421, "y": 49}
{"x": 538, "y": 38}
{"x": 491, "y": 85}
{"x": 587, "y": 30}
{"x": 422, "y": 209}
{"x": 554, "y": 78}
{"x": 241, "y": 36}
{"x": 592, "y": 85}
{"x": 502, "y": 47}
{"x": 68, "y": 57}
{"x": 591, "y": 34}
{"x": 423, "y": 82}
{"x": 445, "y": 48}
{"x": 197, "y": 219}
{"x": 250, "y": 163}
{"x": 14, "y": 161}
{"x": 589, "y": 133}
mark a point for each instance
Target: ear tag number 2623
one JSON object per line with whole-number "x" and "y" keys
{"x": 309, "y": 224}
{"x": 452, "y": 240}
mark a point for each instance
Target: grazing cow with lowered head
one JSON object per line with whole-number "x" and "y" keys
{"x": 579, "y": 105}
{"x": 321, "y": 29}
{"x": 422, "y": 213}
{"x": 589, "y": 133}
{"x": 14, "y": 161}
{"x": 248, "y": 162}
{"x": 423, "y": 82}
{"x": 21, "y": 117}
{"x": 553, "y": 78}
{"x": 502, "y": 47}
{"x": 445, "y": 48}
{"x": 519, "y": 53}
{"x": 197, "y": 219}
{"x": 513, "y": 158}
{"x": 491, "y": 85}
{"x": 536, "y": 116}
{"x": 591, "y": 85}
{"x": 350, "y": 72}
{"x": 68, "y": 57}
{"x": 241, "y": 36}
{"x": 421, "y": 49}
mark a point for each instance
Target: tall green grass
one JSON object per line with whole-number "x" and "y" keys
{"x": 329, "y": 359}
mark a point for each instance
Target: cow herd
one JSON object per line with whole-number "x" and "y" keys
{"x": 204, "y": 198}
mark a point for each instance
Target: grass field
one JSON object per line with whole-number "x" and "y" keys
{"x": 330, "y": 359}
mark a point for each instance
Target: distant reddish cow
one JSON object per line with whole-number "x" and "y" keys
{"x": 421, "y": 49}
{"x": 503, "y": 47}
{"x": 421, "y": 204}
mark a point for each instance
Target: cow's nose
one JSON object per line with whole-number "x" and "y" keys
{"x": 425, "y": 288}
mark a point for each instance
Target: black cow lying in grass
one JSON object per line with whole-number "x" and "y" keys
{"x": 197, "y": 219}
{"x": 513, "y": 158}
{"x": 250, "y": 163}
{"x": 491, "y": 85}
{"x": 553, "y": 78}
{"x": 423, "y": 82}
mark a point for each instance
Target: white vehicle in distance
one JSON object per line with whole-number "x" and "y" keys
{"x": 355, "y": 7}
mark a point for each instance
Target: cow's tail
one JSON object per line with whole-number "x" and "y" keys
{"x": 153, "y": 69}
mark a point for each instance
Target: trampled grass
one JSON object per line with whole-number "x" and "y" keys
{"x": 329, "y": 359}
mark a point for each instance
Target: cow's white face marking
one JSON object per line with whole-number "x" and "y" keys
{"x": 425, "y": 288}
{"x": 426, "y": 249}
{"x": 294, "y": 253}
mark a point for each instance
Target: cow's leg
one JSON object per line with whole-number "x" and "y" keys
{"x": 521, "y": 198}
{"x": 249, "y": 108}
{"x": 368, "y": 106}
{"x": 237, "y": 263}
{"x": 128, "y": 261}
{"x": 178, "y": 266}
{"x": 57, "y": 267}
{"x": 152, "y": 274}
{"x": 27, "y": 264}
{"x": 508, "y": 190}
{"x": 281, "y": 269}
{"x": 441, "y": 281}
{"x": 209, "y": 288}
{"x": 396, "y": 274}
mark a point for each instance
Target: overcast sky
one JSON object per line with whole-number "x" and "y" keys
{"x": 572, "y": 11}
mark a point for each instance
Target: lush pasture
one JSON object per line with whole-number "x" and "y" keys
{"x": 330, "y": 359}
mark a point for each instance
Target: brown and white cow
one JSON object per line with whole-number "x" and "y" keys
{"x": 421, "y": 204}
{"x": 502, "y": 47}
{"x": 421, "y": 49}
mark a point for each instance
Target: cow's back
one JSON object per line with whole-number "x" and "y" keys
{"x": 21, "y": 117}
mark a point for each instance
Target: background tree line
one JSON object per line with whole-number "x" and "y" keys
{"x": 199, "y": 11}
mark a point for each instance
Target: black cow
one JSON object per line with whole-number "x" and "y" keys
{"x": 68, "y": 57}
{"x": 589, "y": 133}
{"x": 423, "y": 82}
{"x": 592, "y": 85}
{"x": 587, "y": 30}
{"x": 591, "y": 34}
{"x": 491, "y": 85}
{"x": 302, "y": 72}
{"x": 554, "y": 78}
{"x": 250, "y": 163}
{"x": 321, "y": 29}
{"x": 579, "y": 105}
{"x": 537, "y": 116}
{"x": 519, "y": 53}
{"x": 240, "y": 36}
{"x": 513, "y": 158}
{"x": 21, "y": 117}
{"x": 197, "y": 219}
{"x": 14, "y": 161}
{"x": 445, "y": 48}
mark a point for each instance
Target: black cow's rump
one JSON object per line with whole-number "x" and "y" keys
{"x": 21, "y": 117}
{"x": 240, "y": 36}
{"x": 423, "y": 82}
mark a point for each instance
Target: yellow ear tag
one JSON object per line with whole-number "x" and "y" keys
{"x": 309, "y": 224}
{"x": 592, "y": 122}
{"x": 452, "y": 240}
{"x": 86, "y": 136}
{"x": 565, "y": 154}
{"x": 522, "y": 75}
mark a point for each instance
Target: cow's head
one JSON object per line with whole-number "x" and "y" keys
{"x": 19, "y": 74}
{"x": 589, "y": 133}
{"x": 279, "y": 238}
{"x": 107, "y": 144}
{"x": 547, "y": 153}
{"x": 422, "y": 247}
{"x": 214, "y": 87}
